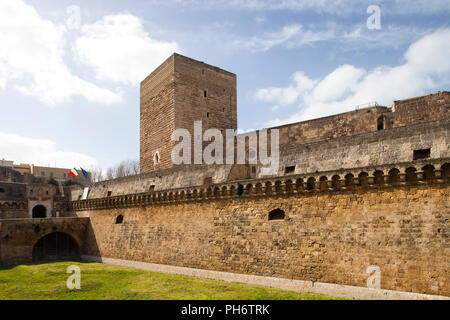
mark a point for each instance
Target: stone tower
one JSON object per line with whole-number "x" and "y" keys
{"x": 180, "y": 91}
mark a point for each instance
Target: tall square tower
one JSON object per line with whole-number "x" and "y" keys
{"x": 180, "y": 91}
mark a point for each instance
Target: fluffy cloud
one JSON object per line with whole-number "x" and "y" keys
{"x": 32, "y": 55}
{"x": 285, "y": 96}
{"x": 426, "y": 68}
{"x": 119, "y": 49}
{"x": 41, "y": 152}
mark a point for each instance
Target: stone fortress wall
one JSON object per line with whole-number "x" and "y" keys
{"x": 362, "y": 188}
{"x": 363, "y": 198}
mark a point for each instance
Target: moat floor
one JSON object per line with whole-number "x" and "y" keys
{"x": 100, "y": 281}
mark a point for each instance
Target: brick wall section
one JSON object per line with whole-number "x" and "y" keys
{"x": 325, "y": 237}
{"x": 426, "y": 108}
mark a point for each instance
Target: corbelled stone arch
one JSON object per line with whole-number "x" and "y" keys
{"x": 363, "y": 178}
{"x": 411, "y": 174}
{"x": 349, "y": 180}
{"x": 323, "y": 183}
{"x": 394, "y": 175}
{"x": 428, "y": 172}
{"x": 311, "y": 183}
{"x": 336, "y": 181}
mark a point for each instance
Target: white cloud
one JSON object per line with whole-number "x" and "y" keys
{"x": 289, "y": 36}
{"x": 288, "y": 95}
{"x": 336, "y": 7}
{"x": 41, "y": 152}
{"x": 119, "y": 50}
{"x": 426, "y": 68}
{"x": 32, "y": 55}
{"x": 349, "y": 37}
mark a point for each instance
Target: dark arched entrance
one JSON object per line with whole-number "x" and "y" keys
{"x": 56, "y": 246}
{"x": 39, "y": 212}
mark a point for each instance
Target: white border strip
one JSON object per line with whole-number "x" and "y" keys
{"x": 329, "y": 289}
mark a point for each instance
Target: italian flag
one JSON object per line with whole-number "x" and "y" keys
{"x": 73, "y": 172}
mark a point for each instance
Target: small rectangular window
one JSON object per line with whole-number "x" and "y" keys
{"x": 421, "y": 154}
{"x": 109, "y": 193}
{"x": 42, "y": 173}
{"x": 204, "y": 94}
{"x": 290, "y": 169}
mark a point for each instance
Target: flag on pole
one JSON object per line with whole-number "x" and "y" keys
{"x": 73, "y": 172}
{"x": 84, "y": 173}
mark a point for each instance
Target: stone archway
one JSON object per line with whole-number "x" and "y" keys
{"x": 56, "y": 246}
{"x": 39, "y": 211}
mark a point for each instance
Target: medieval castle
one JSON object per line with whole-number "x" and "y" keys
{"x": 363, "y": 188}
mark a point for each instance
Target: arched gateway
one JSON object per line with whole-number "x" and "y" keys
{"x": 39, "y": 211}
{"x": 56, "y": 246}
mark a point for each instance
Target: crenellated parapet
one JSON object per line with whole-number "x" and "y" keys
{"x": 410, "y": 173}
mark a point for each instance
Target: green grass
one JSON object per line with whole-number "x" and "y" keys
{"x": 100, "y": 281}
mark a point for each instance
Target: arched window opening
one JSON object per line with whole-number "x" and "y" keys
{"x": 39, "y": 212}
{"x": 276, "y": 214}
{"x": 119, "y": 219}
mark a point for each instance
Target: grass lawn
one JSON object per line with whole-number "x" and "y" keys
{"x": 102, "y": 281}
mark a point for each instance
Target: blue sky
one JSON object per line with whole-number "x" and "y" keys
{"x": 69, "y": 87}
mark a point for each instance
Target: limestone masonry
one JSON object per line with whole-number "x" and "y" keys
{"x": 363, "y": 188}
